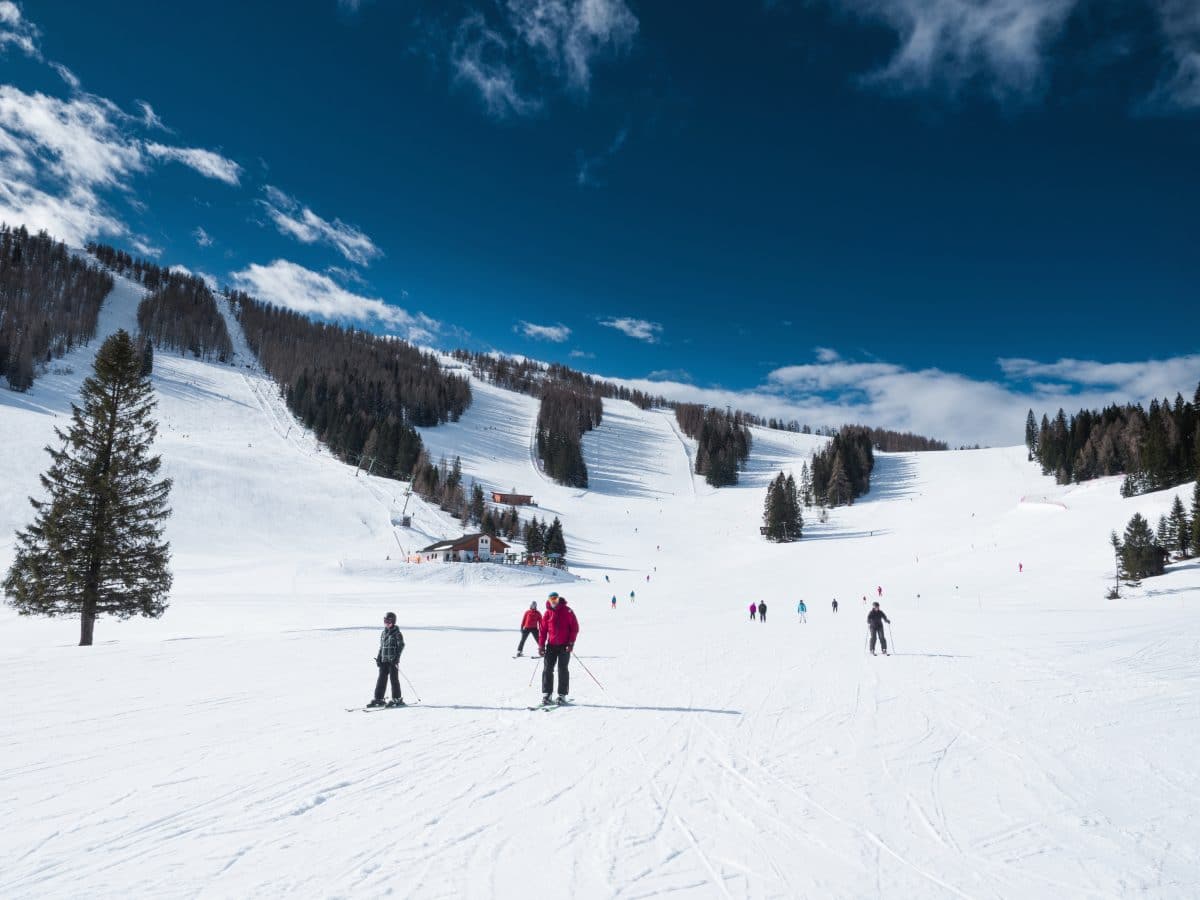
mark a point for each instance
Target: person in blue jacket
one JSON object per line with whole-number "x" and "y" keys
{"x": 802, "y": 611}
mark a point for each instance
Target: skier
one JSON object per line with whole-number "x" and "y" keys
{"x": 606, "y": 579}
{"x": 1020, "y": 568}
{"x": 835, "y": 604}
{"x": 875, "y": 620}
{"x": 529, "y": 626}
{"x": 556, "y": 640}
{"x": 614, "y": 601}
{"x": 631, "y": 596}
{"x": 802, "y": 611}
{"x": 391, "y": 645}
{"x": 753, "y": 610}
{"x": 762, "y": 611}
{"x": 880, "y": 592}
{"x": 647, "y": 579}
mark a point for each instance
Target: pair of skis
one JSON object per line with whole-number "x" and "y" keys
{"x": 376, "y": 708}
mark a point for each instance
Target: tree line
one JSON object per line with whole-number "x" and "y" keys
{"x": 841, "y": 471}
{"x": 565, "y": 415}
{"x": 181, "y": 314}
{"x": 1144, "y": 553}
{"x": 722, "y": 437}
{"x": 1154, "y": 449}
{"x": 527, "y": 376}
{"x": 49, "y": 303}
{"x": 360, "y": 393}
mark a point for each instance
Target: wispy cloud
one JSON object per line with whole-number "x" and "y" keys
{"x": 532, "y": 47}
{"x": 294, "y": 287}
{"x": 554, "y": 333}
{"x": 1178, "y": 88}
{"x": 298, "y": 221}
{"x": 677, "y": 375}
{"x": 582, "y": 354}
{"x": 202, "y": 237}
{"x": 635, "y": 328}
{"x": 206, "y": 162}
{"x": 150, "y": 118}
{"x": 947, "y": 45}
{"x": 479, "y": 57}
{"x": 70, "y": 78}
{"x": 590, "y": 170}
{"x": 17, "y": 31}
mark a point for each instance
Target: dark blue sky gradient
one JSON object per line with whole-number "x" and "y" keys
{"x": 761, "y": 182}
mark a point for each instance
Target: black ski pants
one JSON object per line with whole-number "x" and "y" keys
{"x": 878, "y": 633}
{"x": 386, "y": 671}
{"x": 556, "y": 655}
{"x": 526, "y": 633}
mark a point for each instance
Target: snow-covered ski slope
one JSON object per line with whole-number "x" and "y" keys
{"x": 1027, "y": 739}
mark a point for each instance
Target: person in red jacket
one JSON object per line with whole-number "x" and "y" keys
{"x": 529, "y": 626}
{"x": 556, "y": 640}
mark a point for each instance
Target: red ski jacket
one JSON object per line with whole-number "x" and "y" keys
{"x": 559, "y": 626}
{"x": 531, "y": 619}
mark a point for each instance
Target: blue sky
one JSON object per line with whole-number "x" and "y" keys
{"x": 926, "y": 214}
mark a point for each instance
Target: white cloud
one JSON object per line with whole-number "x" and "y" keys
{"x": 291, "y": 286}
{"x": 206, "y": 162}
{"x": 18, "y": 31}
{"x": 826, "y": 354}
{"x": 568, "y": 35}
{"x": 150, "y": 118}
{"x": 555, "y": 333}
{"x": 635, "y": 328}
{"x": 298, "y": 221}
{"x": 143, "y": 247}
{"x": 202, "y": 237}
{"x": 674, "y": 375}
{"x": 71, "y": 79}
{"x": 949, "y": 44}
{"x": 582, "y": 354}
{"x": 56, "y": 156}
{"x": 1179, "y": 87}
{"x": 946, "y": 405}
{"x": 535, "y": 44}
{"x": 478, "y": 56}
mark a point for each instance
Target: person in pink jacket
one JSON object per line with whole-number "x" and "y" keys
{"x": 753, "y": 611}
{"x": 556, "y": 640}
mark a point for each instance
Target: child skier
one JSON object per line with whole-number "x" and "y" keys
{"x": 529, "y": 626}
{"x": 614, "y": 601}
{"x": 802, "y": 611}
{"x": 753, "y": 611}
{"x": 391, "y": 645}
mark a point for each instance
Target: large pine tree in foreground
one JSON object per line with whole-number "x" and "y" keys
{"x": 95, "y": 546}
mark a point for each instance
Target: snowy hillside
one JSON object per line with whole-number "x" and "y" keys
{"x": 1027, "y": 739}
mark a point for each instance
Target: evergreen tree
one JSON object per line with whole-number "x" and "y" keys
{"x": 1141, "y": 556}
{"x": 1179, "y": 528}
{"x": 806, "y": 491}
{"x": 1196, "y": 517}
{"x": 556, "y": 542}
{"x": 534, "y": 540}
{"x": 147, "y": 358}
{"x": 773, "y": 510}
{"x": 96, "y": 546}
{"x": 477, "y": 504}
{"x": 1031, "y": 433}
{"x": 794, "y": 521}
{"x": 1162, "y": 534}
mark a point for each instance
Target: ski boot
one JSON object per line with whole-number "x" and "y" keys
{"x": 562, "y": 700}
{"x": 546, "y": 700}
{"x": 396, "y": 701}
{"x": 375, "y": 703}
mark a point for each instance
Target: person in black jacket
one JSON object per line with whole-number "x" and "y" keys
{"x": 875, "y": 620}
{"x": 391, "y": 645}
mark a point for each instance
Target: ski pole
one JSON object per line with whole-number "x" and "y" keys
{"x": 537, "y": 659}
{"x": 410, "y": 684}
{"x": 890, "y": 638}
{"x": 590, "y": 675}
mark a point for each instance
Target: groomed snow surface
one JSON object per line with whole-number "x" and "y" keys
{"x": 1028, "y": 738}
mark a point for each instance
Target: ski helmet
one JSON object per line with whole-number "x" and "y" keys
{"x": 533, "y": 605}
{"x": 390, "y": 618}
